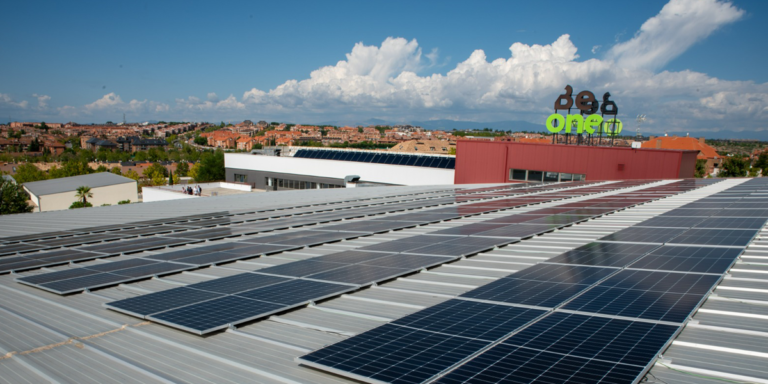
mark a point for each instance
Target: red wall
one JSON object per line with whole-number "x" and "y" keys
{"x": 489, "y": 162}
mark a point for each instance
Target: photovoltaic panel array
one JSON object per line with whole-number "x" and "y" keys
{"x": 350, "y": 269}
{"x": 587, "y": 336}
{"x": 221, "y": 253}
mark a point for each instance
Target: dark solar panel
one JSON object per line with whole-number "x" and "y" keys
{"x": 518, "y": 231}
{"x": 20, "y": 263}
{"x": 180, "y": 254}
{"x": 514, "y": 219}
{"x": 470, "y": 319}
{"x": 468, "y": 229}
{"x": 571, "y": 274}
{"x": 409, "y": 262}
{"x": 123, "y": 264}
{"x": 635, "y": 249}
{"x": 569, "y": 348}
{"x": 732, "y": 223}
{"x": 351, "y": 257}
{"x": 358, "y": 274}
{"x": 561, "y": 219}
{"x": 55, "y": 276}
{"x": 395, "y": 354}
{"x": 212, "y": 315}
{"x": 644, "y": 235}
{"x": 528, "y": 292}
{"x": 210, "y": 258}
{"x": 78, "y": 284}
{"x": 393, "y": 246}
{"x": 724, "y": 237}
{"x": 454, "y": 250}
{"x": 650, "y": 295}
{"x": 689, "y": 259}
{"x": 594, "y": 258}
{"x": 742, "y": 213}
{"x": 19, "y": 248}
{"x": 480, "y": 242}
{"x": 701, "y": 212}
{"x": 296, "y": 292}
{"x": 238, "y": 283}
{"x": 671, "y": 222}
{"x": 145, "y": 305}
{"x": 152, "y": 269}
{"x": 301, "y": 268}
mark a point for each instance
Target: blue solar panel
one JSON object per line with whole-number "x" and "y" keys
{"x": 301, "y": 268}
{"x": 145, "y": 305}
{"x": 295, "y": 292}
{"x": 212, "y": 315}
{"x": 689, "y": 259}
{"x": 722, "y": 237}
{"x": 359, "y": 274}
{"x": 644, "y": 235}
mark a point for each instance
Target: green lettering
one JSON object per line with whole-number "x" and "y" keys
{"x": 592, "y": 122}
{"x": 612, "y": 127}
{"x": 574, "y": 121}
{"x": 560, "y": 123}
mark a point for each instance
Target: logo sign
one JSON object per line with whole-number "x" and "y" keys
{"x": 586, "y": 104}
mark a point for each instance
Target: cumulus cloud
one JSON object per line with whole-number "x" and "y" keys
{"x": 7, "y": 102}
{"x": 679, "y": 25}
{"x": 387, "y": 81}
{"x": 42, "y": 100}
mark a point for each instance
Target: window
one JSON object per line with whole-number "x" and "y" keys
{"x": 566, "y": 177}
{"x": 432, "y": 148}
{"x": 550, "y": 177}
{"x": 240, "y": 178}
{"x": 517, "y": 174}
{"x": 535, "y": 175}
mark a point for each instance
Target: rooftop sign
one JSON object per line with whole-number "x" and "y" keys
{"x": 586, "y": 103}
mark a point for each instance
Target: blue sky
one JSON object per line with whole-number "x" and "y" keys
{"x": 403, "y": 61}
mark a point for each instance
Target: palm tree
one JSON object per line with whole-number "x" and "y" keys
{"x": 83, "y": 193}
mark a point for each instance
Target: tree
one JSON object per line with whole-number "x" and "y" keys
{"x": 193, "y": 171}
{"x": 211, "y": 167}
{"x": 26, "y": 173}
{"x": 734, "y": 167}
{"x": 701, "y": 168}
{"x": 80, "y": 204}
{"x": 133, "y": 175}
{"x": 101, "y": 168}
{"x": 199, "y": 140}
{"x": 13, "y": 199}
{"x": 155, "y": 168}
{"x": 176, "y": 179}
{"x": 116, "y": 171}
{"x": 762, "y": 161}
{"x": 34, "y": 145}
{"x": 182, "y": 169}
{"x": 83, "y": 193}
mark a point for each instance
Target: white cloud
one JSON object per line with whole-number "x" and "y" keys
{"x": 7, "y": 102}
{"x": 679, "y": 25}
{"x": 42, "y": 100}
{"x": 596, "y": 48}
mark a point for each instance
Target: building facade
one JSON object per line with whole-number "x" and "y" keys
{"x": 496, "y": 162}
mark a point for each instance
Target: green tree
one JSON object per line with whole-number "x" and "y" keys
{"x": 701, "y": 168}
{"x": 133, "y": 175}
{"x": 154, "y": 169}
{"x": 140, "y": 156}
{"x": 101, "y": 168}
{"x": 211, "y": 167}
{"x": 762, "y": 161}
{"x": 34, "y": 146}
{"x": 26, "y": 173}
{"x": 193, "y": 171}
{"x": 13, "y": 199}
{"x": 83, "y": 193}
{"x": 734, "y": 167}
{"x": 176, "y": 179}
{"x": 80, "y": 204}
{"x": 182, "y": 169}
{"x": 199, "y": 140}
{"x": 116, "y": 171}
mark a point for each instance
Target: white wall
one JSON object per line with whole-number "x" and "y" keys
{"x": 109, "y": 194}
{"x": 150, "y": 194}
{"x": 376, "y": 173}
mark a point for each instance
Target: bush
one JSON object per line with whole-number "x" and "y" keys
{"x": 121, "y": 202}
{"x": 79, "y": 204}
{"x": 106, "y": 205}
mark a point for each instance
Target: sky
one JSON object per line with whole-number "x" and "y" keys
{"x": 691, "y": 66}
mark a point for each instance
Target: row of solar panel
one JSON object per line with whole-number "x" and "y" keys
{"x": 211, "y": 255}
{"x": 446, "y": 162}
{"x": 425, "y": 345}
{"x": 369, "y": 264}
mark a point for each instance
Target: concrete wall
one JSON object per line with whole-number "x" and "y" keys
{"x": 150, "y": 194}
{"x": 101, "y": 195}
{"x": 336, "y": 170}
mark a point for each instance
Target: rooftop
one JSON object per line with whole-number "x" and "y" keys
{"x": 67, "y": 184}
{"x": 74, "y": 338}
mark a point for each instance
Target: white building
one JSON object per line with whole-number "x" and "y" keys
{"x": 58, "y": 194}
{"x": 328, "y": 168}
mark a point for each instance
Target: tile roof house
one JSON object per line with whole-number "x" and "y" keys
{"x": 706, "y": 152}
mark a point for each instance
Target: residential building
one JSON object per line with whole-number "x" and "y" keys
{"x": 703, "y": 150}
{"x": 59, "y": 194}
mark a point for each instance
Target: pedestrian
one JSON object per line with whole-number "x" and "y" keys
{"x": 199, "y": 190}
{"x": 189, "y": 190}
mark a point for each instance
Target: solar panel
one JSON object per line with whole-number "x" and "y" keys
{"x": 212, "y": 315}
{"x": 561, "y": 219}
{"x": 662, "y": 296}
{"x": 469, "y": 229}
{"x": 732, "y": 223}
{"x": 689, "y": 259}
{"x": 723, "y": 237}
{"x": 409, "y": 262}
{"x": 480, "y": 242}
{"x": 301, "y": 268}
{"x": 393, "y": 246}
{"x": 359, "y": 274}
{"x": 296, "y": 292}
{"x": 238, "y": 283}
{"x": 61, "y": 255}
{"x": 742, "y": 213}
{"x": 527, "y": 292}
{"x": 210, "y": 258}
{"x": 569, "y": 348}
{"x": 145, "y": 305}
{"x": 570, "y": 274}
{"x": 19, "y": 248}
{"x": 454, "y": 250}
{"x": 79, "y": 284}
{"x": 518, "y": 231}
{"x": 351, "y": 257}
{"x": 644, "y": 235}
{"x": 470, "y": 319}
{"x": 180, "y": 254}
{"x": 700, "y": 212}
{"x": 594, "y": 258}
{"x": 55, "y": 276}
{"x": 671, "y": 222}
{"x": 152, "y": 269}
{"x": 394, "y": 354}
{"x": 514, "y": 219}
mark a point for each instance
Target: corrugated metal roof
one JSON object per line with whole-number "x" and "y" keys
{"x": 67, "y": 184}
{"x": 51, "y": 338}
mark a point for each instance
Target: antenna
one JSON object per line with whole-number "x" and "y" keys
{"x": 123, "y": 118}
{"x": 640, "y": 120}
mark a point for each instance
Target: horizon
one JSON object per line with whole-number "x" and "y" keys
{"x": 673, "y": 61}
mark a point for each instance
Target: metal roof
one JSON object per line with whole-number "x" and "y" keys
{"x": 50, "y": 338}
{"x": 67, "y": 184}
